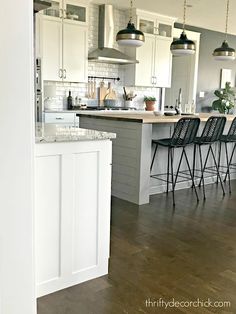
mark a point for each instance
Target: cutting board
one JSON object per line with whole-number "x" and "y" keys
{"x": 111, "y": 94}
{"x": 102, "y": 91}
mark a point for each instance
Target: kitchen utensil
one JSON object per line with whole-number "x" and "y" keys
{"x": 102, "y": 91}
{"x": 125, "y": 94}
{"x": 94, "y": 90}
{"x": 111, "y": 94}
{"x": 89, "y": 88}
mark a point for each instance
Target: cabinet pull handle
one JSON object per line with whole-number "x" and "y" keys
{"x": 155, "y": 80}
{"x": 64, "y": 73}
{"x": 59, "y": 118}
{"x": 60, "y": 73}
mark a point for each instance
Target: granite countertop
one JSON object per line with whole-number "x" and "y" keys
{"x": 51, "y": 133}
{"x": 147, "y": 117}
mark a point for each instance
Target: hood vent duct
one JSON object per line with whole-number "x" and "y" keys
{"x": 105, "y": 52}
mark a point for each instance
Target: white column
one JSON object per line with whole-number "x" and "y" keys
{"x": 17, "y": 286}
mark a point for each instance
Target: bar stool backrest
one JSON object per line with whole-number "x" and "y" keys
{"x": 213, "y": 129}
{"x": 231, "y": 136}
{"x": 185, "y": 131}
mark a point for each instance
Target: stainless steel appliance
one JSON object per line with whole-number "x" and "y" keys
{"x": 105, "y": 51}
{"x": 38, "y": 91}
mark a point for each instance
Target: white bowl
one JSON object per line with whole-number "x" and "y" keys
{"x": 157, "y": 113}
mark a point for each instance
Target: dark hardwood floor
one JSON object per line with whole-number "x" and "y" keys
{"x": 156, "y": 252}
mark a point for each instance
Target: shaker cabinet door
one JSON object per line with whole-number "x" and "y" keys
{"x": 163, "y": 62}
{"x": 145, "y": 56}
{"x": 75, "y": 52}
{"x": 51, "y": 49}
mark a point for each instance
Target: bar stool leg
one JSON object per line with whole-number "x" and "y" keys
{"x": 230, "y": 161}
{"x": 202, "y": 172}
{"x": 153, "y": 158}
{"x": 179, "y": 165}
{"x": 194, "y": 160}
{"x": 168, "y": 171}
{"x": 191, "y": 174}
{"x": 228, "y": 165}
{"x": 219, "y": 158}
{"x": 217, "y": 169}
{"x": 172, "y": 176}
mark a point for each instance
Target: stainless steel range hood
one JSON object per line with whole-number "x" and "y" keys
{"x": 41, "y": 5}
{"x": 105, "y": 52}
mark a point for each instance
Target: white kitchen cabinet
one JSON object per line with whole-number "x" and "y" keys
{"x": 72, "y": 213}
{"x": 155, "y": 59}
{"x": 51, "y": 49}
{"x": 63, "y": 43}
{"x": 60, "y": 117}
{"x": 75, "y": 52}
{"x": 74, "y": 10}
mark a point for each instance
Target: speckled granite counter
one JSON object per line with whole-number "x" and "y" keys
{"x": 50, "y": 133}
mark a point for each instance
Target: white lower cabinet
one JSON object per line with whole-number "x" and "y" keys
{"x": 72, "y": 217}
{"x": 60, "y": 118}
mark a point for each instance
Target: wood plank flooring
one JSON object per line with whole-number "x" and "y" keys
{"x": 158, "y": 252}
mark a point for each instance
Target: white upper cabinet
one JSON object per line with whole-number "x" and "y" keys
{"x": 51, "y": 52}
{"x": 63, "y": 47}
{"x": 155, "y": 59}
{"x": 75, "y": 52}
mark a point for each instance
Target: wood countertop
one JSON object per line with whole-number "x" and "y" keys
{"x": 148, "y": 117}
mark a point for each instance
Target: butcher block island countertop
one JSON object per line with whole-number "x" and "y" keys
{"x": 146, "y": 117}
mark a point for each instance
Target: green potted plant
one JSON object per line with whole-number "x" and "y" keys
{"x": 226, "y": 99}
{"x": 150, "y": 102}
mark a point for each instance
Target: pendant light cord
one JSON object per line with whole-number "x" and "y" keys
{"x": 131, "y": 11}
{"x": 227, "y": 18}
{"x": 184, "y": 17}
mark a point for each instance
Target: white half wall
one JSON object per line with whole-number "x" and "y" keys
{"x": 17, "y": 285}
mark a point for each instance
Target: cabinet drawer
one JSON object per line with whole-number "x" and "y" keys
{"x": 51, "y": 117}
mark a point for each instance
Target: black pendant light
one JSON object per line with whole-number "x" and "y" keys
{"x": 225, "y": 53}
{"x": 130, "y": 36}
{"x": 183, "y": 46}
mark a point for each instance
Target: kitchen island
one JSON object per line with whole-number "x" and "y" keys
{"x": 132, "y": 150}
{"x": 72, "y": 205}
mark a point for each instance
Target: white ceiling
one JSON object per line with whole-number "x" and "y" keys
{"x": 208, "y": 14}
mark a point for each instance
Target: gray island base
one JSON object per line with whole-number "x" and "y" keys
{"x": 132, "y": 151}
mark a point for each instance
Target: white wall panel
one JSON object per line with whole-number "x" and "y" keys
{"x": 48, "y": 218}
{"x": 85, "y": 211}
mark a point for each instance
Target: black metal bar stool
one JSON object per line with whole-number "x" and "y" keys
{"x": 230, "y": 137}
{"x": 184, "y": 134}
{"x": 211, "y": 134}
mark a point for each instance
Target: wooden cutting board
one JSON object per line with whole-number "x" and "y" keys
{"x": 102, "y": 91}
{"x": 111, "y": 94}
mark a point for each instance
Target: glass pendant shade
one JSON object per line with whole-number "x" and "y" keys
{"x": 224, "y": 53}
{"x": 130, "y": 36}
{"x": 182, "y": 46}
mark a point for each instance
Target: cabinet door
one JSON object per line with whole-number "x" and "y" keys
{"x": 163, "y": 62}
{"x": 75, "y": 52}
{"x": 145, "y": 56}
{"x": 51, "y": 49}
{"x": 76, "y": 11}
